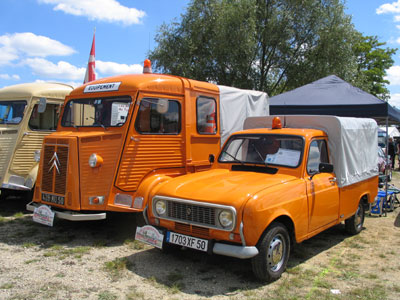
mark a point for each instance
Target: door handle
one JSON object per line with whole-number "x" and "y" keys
{"x": 135, "y": 139}
{"x": 332, "y": 179}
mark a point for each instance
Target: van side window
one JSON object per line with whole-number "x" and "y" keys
{"x": 46, "y": 120}
{"x": 318, "y": 154}
{"x": 158, "y": 116}
{"x": 206, "y": 115}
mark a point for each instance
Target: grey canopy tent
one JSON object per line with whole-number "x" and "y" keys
{"x": 333, "y": 96}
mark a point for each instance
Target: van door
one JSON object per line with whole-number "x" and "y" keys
{"x": 154, "y": 141}
{"x": 322, "y": 189}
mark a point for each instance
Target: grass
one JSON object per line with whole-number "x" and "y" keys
{"x": 7, "y": 286}
{"x": 116, "y": 267}
{"x": 30, "y": 261}
{"x": 61, "y": 252}
{"x": 106, "y": 295}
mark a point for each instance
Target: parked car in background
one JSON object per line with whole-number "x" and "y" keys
{"x": 28, "y": 112}
{"x": 384, "y": 168}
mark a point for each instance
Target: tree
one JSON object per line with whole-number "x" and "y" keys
{"x": 372, "y": 63}
{"x": 270, "y": 45}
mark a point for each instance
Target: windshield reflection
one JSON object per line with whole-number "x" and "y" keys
{"x": 99, "y": 112}
{"x": 267, "y": 149}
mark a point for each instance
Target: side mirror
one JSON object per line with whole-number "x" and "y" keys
{"x": 211, "y": 158}
{"x": 42, "y": 105}
{"x": 325, "y": 168}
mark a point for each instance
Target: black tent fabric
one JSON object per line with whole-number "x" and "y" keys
{"x": 333, "y": 96}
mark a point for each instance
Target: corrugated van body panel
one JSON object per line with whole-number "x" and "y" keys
{"x": 7, "y": 144}
{"x": 147, "y": 154}
{"x": 23, "y": 161}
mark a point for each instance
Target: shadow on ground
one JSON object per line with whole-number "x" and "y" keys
{"x": 213, "y": 272}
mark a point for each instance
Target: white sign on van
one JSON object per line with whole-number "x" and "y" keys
{"x": 119, "y": 111}
{"x": 102, "y": 87}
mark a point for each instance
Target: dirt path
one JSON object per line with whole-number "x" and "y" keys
{"x": 100, "y": 260}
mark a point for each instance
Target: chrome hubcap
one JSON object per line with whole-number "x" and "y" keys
{"x": 276, "y": 253}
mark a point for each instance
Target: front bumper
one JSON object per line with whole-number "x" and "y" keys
{"x": 69, "y": 215}
{"x": 242, "y": 252}
{"x": 17, "y": 187}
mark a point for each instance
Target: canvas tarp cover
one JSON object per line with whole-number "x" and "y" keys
{"x": 352, "y": 142}
{"x": 236, "y": 105}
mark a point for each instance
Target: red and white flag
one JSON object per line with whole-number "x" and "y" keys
{"x": 90, "y": 70}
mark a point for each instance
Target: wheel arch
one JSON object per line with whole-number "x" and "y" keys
{"x": 287, "y": 222}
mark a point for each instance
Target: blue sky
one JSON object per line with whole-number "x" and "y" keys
{"x": 50, "y": 40}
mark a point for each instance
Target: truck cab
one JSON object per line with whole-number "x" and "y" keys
{"x": 28, "y": 112}
{"x": 120, "y": 136}
{"x": 269, "y": 188}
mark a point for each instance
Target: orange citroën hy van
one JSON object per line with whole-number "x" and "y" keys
{"x": 118, "y": 137}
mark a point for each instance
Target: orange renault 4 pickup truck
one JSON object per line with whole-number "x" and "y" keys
{"x": 119, "y": 136}
{"x": 270, "y": 188}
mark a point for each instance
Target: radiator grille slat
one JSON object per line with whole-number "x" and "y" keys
{"x": 54, "y": 173}
{"x": 191, "y": 213}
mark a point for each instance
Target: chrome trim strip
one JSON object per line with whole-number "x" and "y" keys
{"x": 145, "y": 215}
{"x": 13, "y": 186}
{"x": 69, "y": 215}
{"x": 235, "y": 251}
{"x": 196, "y": 203}
{"x": 242, "y": 235}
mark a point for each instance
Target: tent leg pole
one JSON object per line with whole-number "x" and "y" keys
{"x": 387, "y": 164}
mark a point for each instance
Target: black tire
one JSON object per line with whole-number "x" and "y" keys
{"x": 354, "y": 224}
{"x": 274, "y": 249}
{"x": 4, "y": 194}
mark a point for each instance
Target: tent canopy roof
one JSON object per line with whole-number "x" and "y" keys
{"x": 333, "y": 96}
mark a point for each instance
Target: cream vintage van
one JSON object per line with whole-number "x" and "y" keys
{"x": 28, "y": 112}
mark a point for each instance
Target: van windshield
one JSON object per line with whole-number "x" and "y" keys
{"x": 98, "y": 112}
{"x": 266, "y": 149}
{"x": 12, "y": 112}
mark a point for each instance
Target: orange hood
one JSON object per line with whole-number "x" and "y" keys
{"x": 221, "y": 186}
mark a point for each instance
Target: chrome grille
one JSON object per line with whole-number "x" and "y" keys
{"x": 191, "y": 213}
{"x": 192, "y": 216}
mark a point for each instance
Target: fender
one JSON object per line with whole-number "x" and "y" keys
{"x": 148, "y": 186}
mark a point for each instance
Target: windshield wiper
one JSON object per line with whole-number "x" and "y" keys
{"x": 234, "y": 158}
{"x": 258, "y": 153}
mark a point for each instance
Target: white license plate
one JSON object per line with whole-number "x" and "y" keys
{"x": 187, "y": 241}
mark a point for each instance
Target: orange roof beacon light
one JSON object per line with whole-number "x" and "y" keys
{"x": 147, "y": 66}
{"x": 276, "y": 123}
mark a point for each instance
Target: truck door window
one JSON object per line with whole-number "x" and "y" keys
{"x": 11, "y": 112}
{"x": 46, "y": 120}
{"x": 158, "y": 116}
{"x": 206, "y": 116}
{"x": 318, "y": 154}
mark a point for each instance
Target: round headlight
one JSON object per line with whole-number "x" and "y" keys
{"x": 225, "y": 218}
{"x": 95, "y": 160}
{"x": 161, "y": 207}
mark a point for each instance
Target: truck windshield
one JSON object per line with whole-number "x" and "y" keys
{"x": 12, "y": 112}
{"x": 267, "y": 149}
{"x": 98, "y": 112}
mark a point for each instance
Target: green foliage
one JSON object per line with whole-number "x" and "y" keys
{"x": 372, "y": 63}
{"x": 273, "y": 46}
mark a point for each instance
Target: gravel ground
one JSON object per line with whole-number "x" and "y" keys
{"x": 101, "y": 260}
